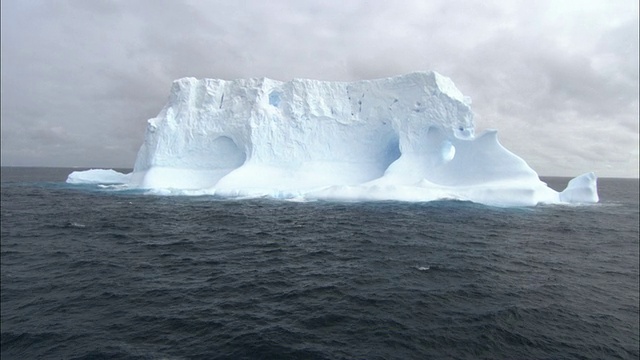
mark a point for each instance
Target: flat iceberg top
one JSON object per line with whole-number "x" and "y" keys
{"x": 97, "y": 176}
{"x": 409, "y": 137}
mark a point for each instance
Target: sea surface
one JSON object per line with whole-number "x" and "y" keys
{"x": 90, "y": 273}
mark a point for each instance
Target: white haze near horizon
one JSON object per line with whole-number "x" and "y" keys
{"x": 557, "y": 79}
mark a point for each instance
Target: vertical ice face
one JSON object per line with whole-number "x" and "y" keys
{"x": 313, "y": 133}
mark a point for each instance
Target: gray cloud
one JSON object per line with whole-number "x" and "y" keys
{"x": 558, "y": 79}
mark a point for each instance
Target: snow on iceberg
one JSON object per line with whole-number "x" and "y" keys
{"x": 408, "y": 138}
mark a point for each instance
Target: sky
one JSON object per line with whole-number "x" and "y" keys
{"x": 558, "y": 79}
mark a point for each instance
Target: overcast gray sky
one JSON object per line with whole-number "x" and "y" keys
{"x": 557, "y": 79}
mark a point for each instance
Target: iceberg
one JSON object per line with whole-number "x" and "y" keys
{"x": 407, "y": 138}
{"x": 98, "y": 176}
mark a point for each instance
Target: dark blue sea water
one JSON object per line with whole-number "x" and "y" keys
{"x": 90, "y": 274}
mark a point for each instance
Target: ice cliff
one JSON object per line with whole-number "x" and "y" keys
{"x": 408, "y": 138}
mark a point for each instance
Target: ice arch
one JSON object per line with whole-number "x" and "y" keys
{"x": 224, "y": 154}
{"x": 203, "y": 165}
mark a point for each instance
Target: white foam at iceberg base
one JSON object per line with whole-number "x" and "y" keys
{"x": 408, "y": 138}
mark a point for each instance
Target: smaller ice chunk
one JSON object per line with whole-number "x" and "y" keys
{"x": 581, "y": 189}
{"x": 98, "y": 176}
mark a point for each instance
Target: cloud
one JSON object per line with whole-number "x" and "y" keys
{"x": 558, "y": 79}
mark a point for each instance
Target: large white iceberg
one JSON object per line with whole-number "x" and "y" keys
{"x": 407, "y": 138}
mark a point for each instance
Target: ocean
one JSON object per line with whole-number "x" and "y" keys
{"x": 90, "y": 273}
